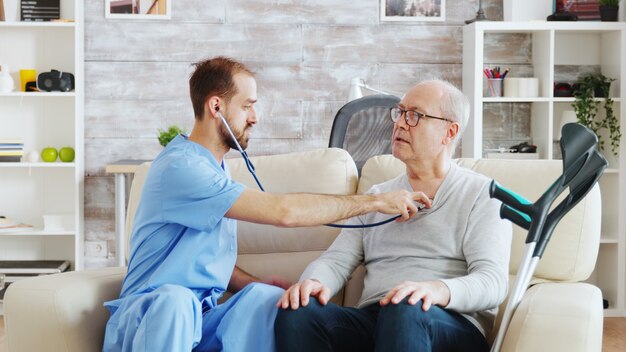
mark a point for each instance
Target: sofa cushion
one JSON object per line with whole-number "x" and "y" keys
{"x": 572, "y": 251}
{"x": 327, "y": 171}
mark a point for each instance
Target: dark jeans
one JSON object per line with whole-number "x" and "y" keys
{"x": 396, "y": 327}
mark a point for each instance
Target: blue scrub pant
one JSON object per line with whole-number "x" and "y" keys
{"x": 396, "y": 327}
{"x": 170, "y": 318}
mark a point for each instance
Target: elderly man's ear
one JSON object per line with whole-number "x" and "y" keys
{"x": 451, "y": 133}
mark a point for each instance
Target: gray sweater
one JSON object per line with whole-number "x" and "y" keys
{"x": 461, "y": 241}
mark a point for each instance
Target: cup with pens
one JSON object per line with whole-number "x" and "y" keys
{"x": 495, "y": 79}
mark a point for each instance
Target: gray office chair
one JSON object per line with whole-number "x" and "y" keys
{"x": 363, "y": 128}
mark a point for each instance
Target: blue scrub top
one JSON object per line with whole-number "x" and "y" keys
{"x": 180, "y": 235}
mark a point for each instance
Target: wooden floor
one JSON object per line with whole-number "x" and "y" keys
{"x": 614, "y": 339}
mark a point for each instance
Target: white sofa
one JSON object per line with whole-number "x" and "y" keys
{"x": 64, "y": 312}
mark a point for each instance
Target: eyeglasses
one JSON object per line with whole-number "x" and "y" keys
{"x": 411, "y": 117}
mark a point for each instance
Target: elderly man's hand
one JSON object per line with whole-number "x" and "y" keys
{"x": 299, "y": 294}
{"x": 430, "y": 292}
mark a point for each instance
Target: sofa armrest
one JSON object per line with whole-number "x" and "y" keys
{"x": 60, "y": 312}
{"x": 557, "y": 317}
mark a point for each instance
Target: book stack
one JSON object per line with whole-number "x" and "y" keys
{"x": 40, "y": 10}
{"x": 11, "y": 150}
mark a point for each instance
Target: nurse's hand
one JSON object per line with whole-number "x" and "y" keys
{"x": 402, "y": 202}
{"x": 299, "y": 294}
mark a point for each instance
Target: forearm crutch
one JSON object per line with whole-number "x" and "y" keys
{"x": 582, "y": 167}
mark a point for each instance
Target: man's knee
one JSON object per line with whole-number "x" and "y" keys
{"x": 406, "y": 314}
{"x": 289, "y": 319}
{"x": 175, "y": 299}
{"x": 263, "y": 292}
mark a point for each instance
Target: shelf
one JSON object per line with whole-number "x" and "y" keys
{"x": 608, "y": 240}
{"x": 515, "y": 100}
{"x": 613, "y": 313}
{"x": 611, "y": 171}
{"x": 37, "y": 24}
{"x": 571, "y": 100}
{"x": 39, "y": 232}
{"x": 38, "y": 165}
{"x": 38, "y": 94}
{"x": 535, "y": 100}
{"x": 537, "y": 26}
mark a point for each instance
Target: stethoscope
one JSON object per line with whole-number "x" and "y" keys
{"x": 256, "y": 179}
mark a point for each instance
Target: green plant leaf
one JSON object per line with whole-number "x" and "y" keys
{"x": 166, "y": 136}
{"x": 587, "y": 108}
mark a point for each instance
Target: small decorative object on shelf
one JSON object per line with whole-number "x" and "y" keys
{"x": 609, "y": 10}
{"x": 587, "y": 107}
{"x": 6, "y": 81}
{"x": 39, "y": 10}
{"x": 67, "y": 154}
{"x": 9, "y": 225}
{"x": 495, "y": 78}
{"x": 480, "y": 14}
{"x": 166, "y": 136}
{"x": 562, "y": 13}
{"x": 562, "y": 90}
{"x": 55, "y": 81}
{"x": 49, "y": 154}
{"x": 27, "y": 76}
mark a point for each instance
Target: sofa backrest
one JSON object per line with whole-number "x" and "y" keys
{"x": 571, "y": 253}
{"x": 265, "y": 250}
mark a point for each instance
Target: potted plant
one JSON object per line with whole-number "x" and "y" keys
{"x": 609, "y": 10}
{"x": 587, "y": 106}
{"x": 166, "y": 136}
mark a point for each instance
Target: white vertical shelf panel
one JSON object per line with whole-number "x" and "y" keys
{"x": 472, "y": 63}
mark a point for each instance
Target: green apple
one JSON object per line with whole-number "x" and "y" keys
{"x": 49, "y": 154}
{"x": 66, "y": 154}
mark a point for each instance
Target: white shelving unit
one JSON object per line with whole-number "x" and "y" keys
{"x": 28, "y": 191}
{"x": 554, "y": 45}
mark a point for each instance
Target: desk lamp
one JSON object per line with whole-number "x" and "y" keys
{"x": 356, "y": 91}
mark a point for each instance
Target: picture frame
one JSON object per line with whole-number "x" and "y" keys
{"x": 585, "y": 10}
{"x": 412, "y": 10}
{"x": 138, "y": 9}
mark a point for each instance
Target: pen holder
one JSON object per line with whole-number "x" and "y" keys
{"x": 494, "y": 87}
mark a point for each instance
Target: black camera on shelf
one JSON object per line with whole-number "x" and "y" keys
{"x": 55, "y": 81}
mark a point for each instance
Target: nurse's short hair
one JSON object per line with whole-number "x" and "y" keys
{"x": 214, "y": 77}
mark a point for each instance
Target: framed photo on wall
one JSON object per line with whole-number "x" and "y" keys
{"x": 412, "y": 10}
{"x": 138, "y": 9}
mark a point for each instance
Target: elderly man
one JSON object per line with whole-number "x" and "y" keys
{"x": 432, "y": 283}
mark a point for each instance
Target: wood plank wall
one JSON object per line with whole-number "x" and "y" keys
{"x": 304, "y": 52}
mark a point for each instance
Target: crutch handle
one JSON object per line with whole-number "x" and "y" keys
{"x": 511, "y": 199}
{"x": 515, "y": 216}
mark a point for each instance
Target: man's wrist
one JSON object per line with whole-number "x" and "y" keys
{"x": 444, "y": 293}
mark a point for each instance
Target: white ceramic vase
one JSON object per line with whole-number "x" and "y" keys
{"x": 6, "y": 81}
